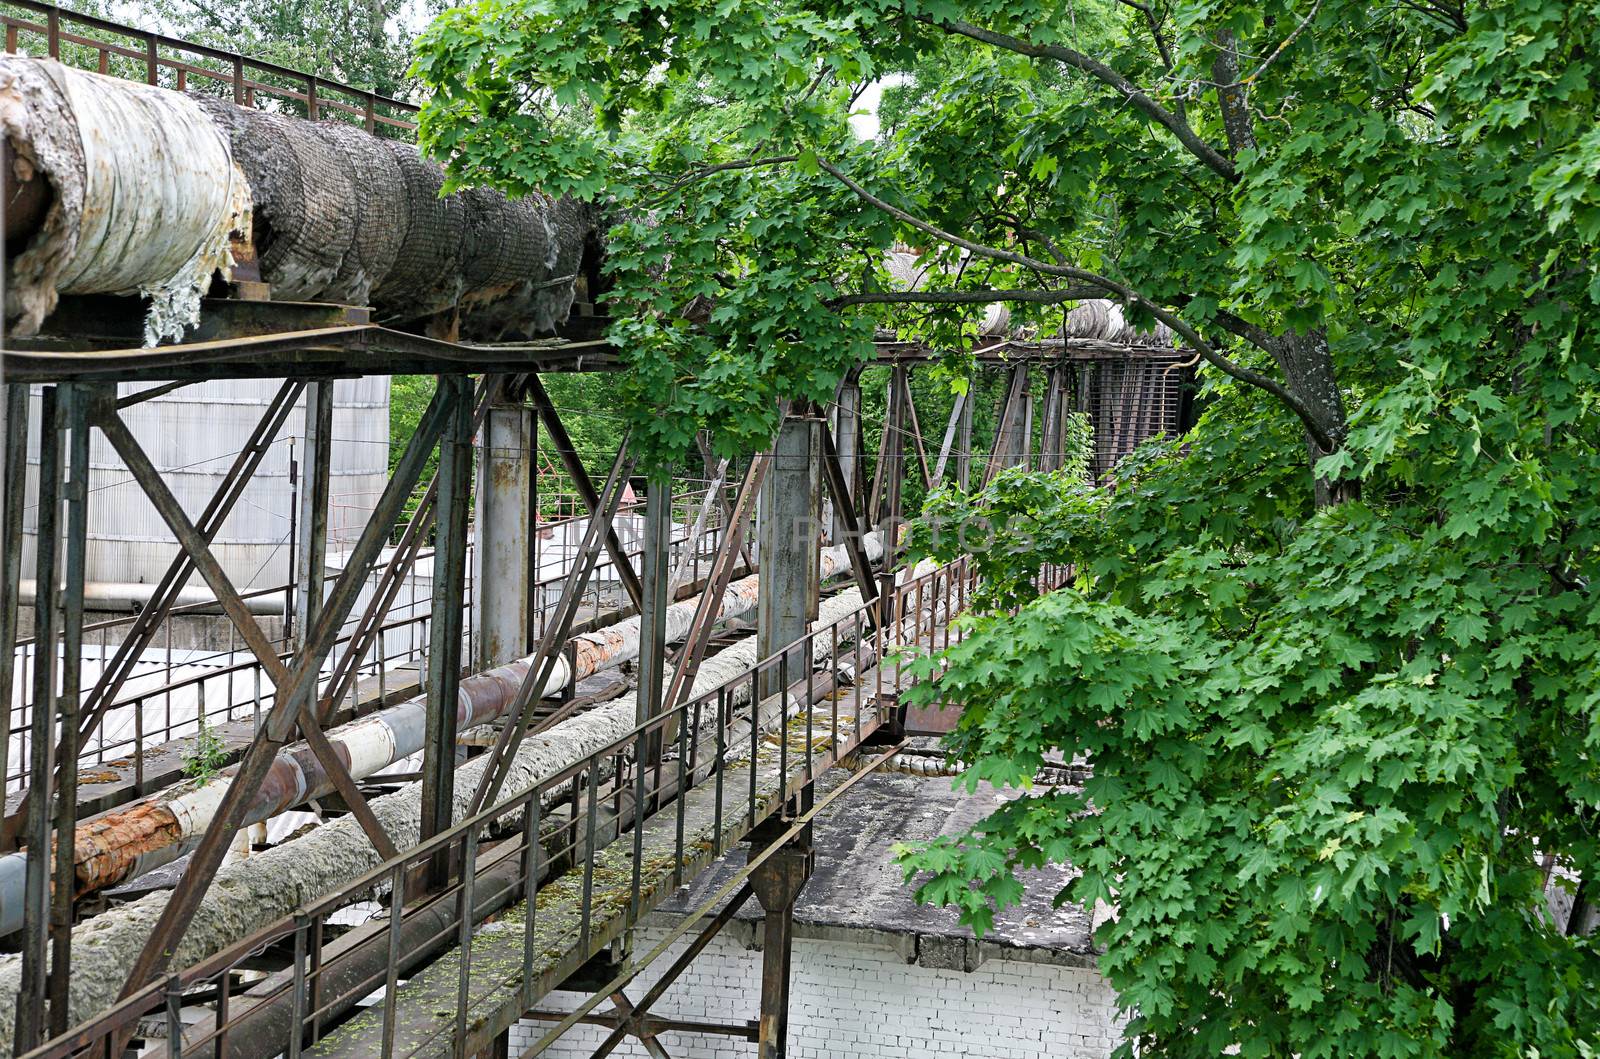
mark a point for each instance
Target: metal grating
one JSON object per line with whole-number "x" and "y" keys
{"x": 1131, "y": 398}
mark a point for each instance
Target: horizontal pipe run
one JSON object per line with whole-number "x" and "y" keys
{"x": 135, "y": 596}
{"x": 157, "y": 830}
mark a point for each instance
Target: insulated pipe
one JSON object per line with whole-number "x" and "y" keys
{"x": 147, "y": 834}
{"x": 136, "y": 595}
{"x": 249, "y": 895}
{"x": 265, "y": 1014}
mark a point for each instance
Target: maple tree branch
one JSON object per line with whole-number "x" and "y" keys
{"x": 1108, "y": 285}
{"x": 968, "y": 297}
{"x": 1213, "y": 159}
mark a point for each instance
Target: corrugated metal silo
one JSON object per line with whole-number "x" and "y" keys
{"x": 192, "y": 436}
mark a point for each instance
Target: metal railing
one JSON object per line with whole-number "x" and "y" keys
{"x": 181, "y": 691}
{"x": 565, "y": 822}
{"x": 128, "y": 52}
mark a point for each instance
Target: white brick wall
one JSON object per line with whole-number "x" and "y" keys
{"x": 860, "y": 998}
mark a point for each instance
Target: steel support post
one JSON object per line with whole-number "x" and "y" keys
{"x": 788, "y": 534}
{"x": 311, "y": 545}
{"x": 31, "y": 1021}
{"x": 653, "y": 619}
{"x": 777, "y": 883}
{"x": 70, "y": 625}
{"x": 892, "y": 455}
{"x": 844, "y": 422}
{"x": 13, "y": 497}
{"x": 964, "y": 441}
{"x": 1009, "y": 442}
{"x": 892, "y": 466}
{"x": 278, "y": 725}
{"x": 444, "y": 645}
{"x": 1050, "y": 436}
{"x": 502, "y": 551}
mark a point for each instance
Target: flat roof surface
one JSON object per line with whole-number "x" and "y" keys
{"x": 856, "y": 883}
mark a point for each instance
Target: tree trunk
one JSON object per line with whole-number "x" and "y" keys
{"x": 1307, "y": 366}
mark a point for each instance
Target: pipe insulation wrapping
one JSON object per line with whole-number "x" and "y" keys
{"x": 249, "y": 895}
{"x": 158, "y": 829}
{"x": 344, "y": 216}
{"x": 145, "y": 196}
{"x": 148, "y": 188}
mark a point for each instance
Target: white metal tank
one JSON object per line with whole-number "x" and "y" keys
{"x": 192, "y": 436}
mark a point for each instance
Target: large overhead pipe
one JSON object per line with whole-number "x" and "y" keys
{"x": 136, "y": 838}
{"x": 248, "y": 895}
{"x": 126, "y": 188}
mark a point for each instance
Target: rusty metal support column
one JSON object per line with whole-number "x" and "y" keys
{"x": 444, "y": 647}
{"x": 844, "y": 421}
{"x": 777, "y": 884}
{"x": 787, "y": 531}
{"x": 502, "y": 551}
{"x": 657, "y": 561}
{"x": 964, "y": 441}
{"x": 70, "y": 603}
{"x": 1010, "y": 444}
{"x": 13, "y": 497}
{"x": 1050, "y": 435}
{"x": 31, "y": 1022}
{"x": 311, "y": 549}
{"x": 892, "y": 457}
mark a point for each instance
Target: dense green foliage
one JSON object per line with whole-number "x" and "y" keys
{"x": 1339, "y": 721}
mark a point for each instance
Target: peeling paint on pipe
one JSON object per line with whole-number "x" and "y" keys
{"x": 135, "y": 839}
{"x": 249, "y": 895}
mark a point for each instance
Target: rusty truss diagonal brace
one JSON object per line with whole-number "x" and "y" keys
{"x": 833, "y": 475}
{"x": 555, "y": 634}
{"x": 693, "y": 652}
{"x": 149, "y": 620}
{"x": 449, "y": 587}
{"x": 370, "y": 625}
{"x": 279, "y": 722}
{"x": 630, "y": 1020}
{"x": 308, "y": 659}
{"x": 580, "y": 481}
{"x": 958, "y": 415}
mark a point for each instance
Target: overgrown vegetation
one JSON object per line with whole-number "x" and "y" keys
{"x": 1334, "y": 654}
{"x": 207, "y": 756}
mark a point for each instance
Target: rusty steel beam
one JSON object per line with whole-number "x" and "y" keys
{"x": 443, "y": 678}
{"x": 76, "y": 496}
{"x": 562, "y": 442}
{"x": 958, "y": 415}
{"x": 279, "y": 722}
{"x": 13, "y": 486}
{"x": 844, "y": 514}
{"x": 31, "y": 998}
{"x": 693, "y": 652}
{"x": 916, "y": 430}
{"x": 543, "y": 664}
{"x": 370, "y": 625}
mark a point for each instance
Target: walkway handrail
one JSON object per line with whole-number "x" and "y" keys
{"x": 579, "y": 782}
